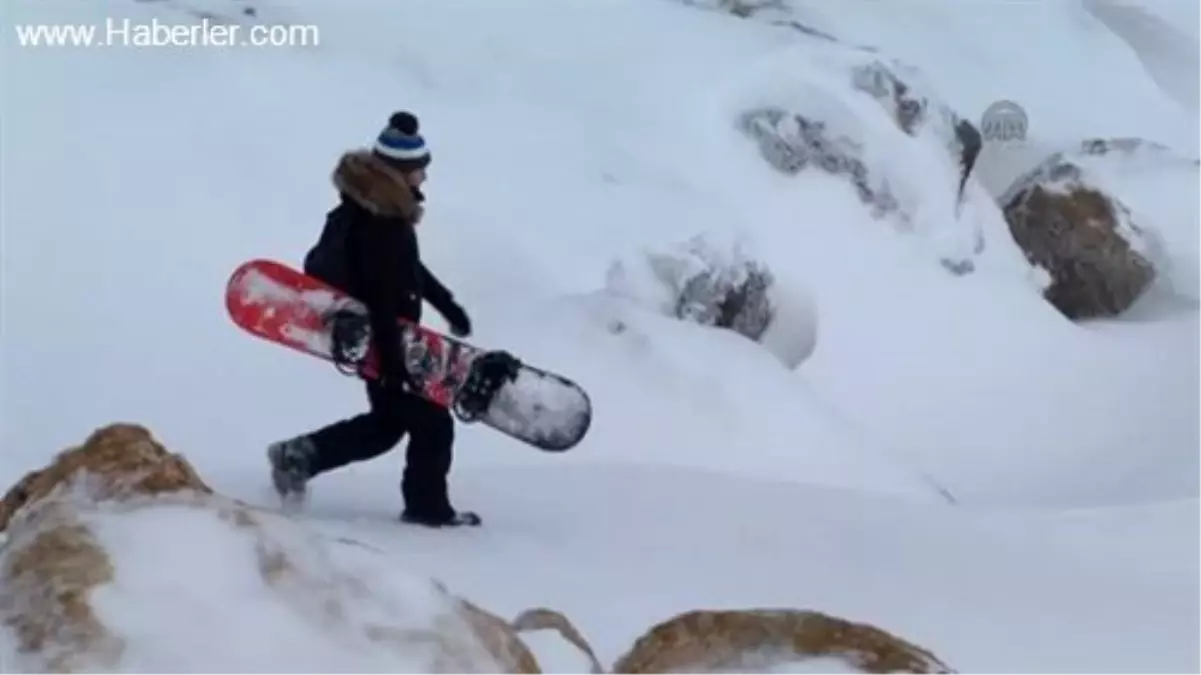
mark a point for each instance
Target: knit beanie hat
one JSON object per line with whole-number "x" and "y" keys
{"x": 401, "y": 145}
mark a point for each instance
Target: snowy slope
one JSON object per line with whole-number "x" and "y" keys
{"x": 949, "y": 579}
{"x": 135, "y": 180}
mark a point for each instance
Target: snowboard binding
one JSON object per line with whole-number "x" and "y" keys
{"x": 489, "y": 372}
{"x": 349, "y": 343}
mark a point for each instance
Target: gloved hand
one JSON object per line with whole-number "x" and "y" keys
{"x": 456, "y": 316}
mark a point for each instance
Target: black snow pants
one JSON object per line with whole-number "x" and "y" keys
{"x": 393, "y": 414}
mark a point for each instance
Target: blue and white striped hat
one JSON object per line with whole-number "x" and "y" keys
{"x": 401, "y": 144}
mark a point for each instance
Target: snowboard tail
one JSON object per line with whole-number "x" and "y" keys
{"x": 280, "y": 304}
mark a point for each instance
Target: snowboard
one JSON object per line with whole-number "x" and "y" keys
{"x": 282, "y": 305}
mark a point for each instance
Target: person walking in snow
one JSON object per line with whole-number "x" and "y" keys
{"x": 369, "y": 249}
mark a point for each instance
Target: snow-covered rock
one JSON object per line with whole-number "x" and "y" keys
{"x": 717, "y": 282}
{"x": 912, "y": 103}
{"x": 120, "y": 558}
{"x": 905, "y": 154}
{"x": 791, "y": 142}
{"x": 916, "y": 110}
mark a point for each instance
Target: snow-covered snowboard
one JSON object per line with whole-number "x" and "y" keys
{"x": 283, "y": 305}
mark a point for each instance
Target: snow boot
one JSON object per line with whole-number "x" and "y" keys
{"x": 290, "y": 461}
{"x": 459, "y": 519}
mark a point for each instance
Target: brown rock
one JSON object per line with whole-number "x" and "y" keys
{"x": 502, "y": 640}
{"x": 44, "y": 585}
{"x": 54, "y": 562}
{"x": 1082, "y": 238}
{"x": 118, "y": 461}
{"x": 755, "y": 640}
{"x": 540, "y": 618}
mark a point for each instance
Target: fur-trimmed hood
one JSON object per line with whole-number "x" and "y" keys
{"x": 377, "y": 187}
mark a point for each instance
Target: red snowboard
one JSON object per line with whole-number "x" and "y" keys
{"x": 283, "y": 305}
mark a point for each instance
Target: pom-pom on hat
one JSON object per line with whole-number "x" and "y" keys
{"x": 401, "y": 144}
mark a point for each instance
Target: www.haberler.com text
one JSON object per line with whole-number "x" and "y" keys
{"x": 129, "y": 33}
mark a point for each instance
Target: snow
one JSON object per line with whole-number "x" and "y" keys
{"x": 949, "y": 458}
{"x": 1164, "y": 37}
{"x": 331, "y": 604}
{"x": 154, "y": 557}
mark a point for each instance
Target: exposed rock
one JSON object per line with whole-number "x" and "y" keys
{"x": 53, "y": 565}
{"x": 54, "y": 562}
{"x": 1104, "y": 146}
{"x": 743, "y": 9}
{"x": 759, "y": 639}
{"x": 702, "y": 281}
{"x": 790, "y": 142}
{"x": 1096, "y": 257}
{"x": 119, "y": 461}
{"x": 750, "y": 640}
{"x": 502, "y": 640}
{"x": 718, "y": 283}
{"x": 773, "y": 12}
{"x": 878, "y": 81}
{"x": 540, "y": 618}
{"x": 808, "y": 122}
{"x": 912, "y": 110}
{"x": 881, "y": 172}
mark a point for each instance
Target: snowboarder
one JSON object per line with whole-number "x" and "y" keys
{"x": 369, "y": 248}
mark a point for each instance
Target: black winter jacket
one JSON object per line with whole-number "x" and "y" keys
{"x": 369, "y": 249}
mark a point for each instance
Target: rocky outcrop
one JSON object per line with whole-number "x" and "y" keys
{"x": 759, "y": 640}
{"x": 1097, "y": 259}
{"x": 118, "y": 463}
{"x": 56, "y": 562}
{"x": 52, "y": 562}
